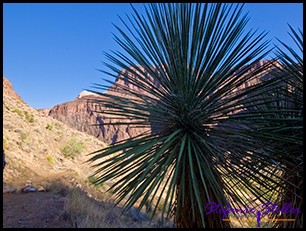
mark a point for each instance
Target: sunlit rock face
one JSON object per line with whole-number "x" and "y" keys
{"x": 86, "y": 116}
{"x": 8, "y": 90}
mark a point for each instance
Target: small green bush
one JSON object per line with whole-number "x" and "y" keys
{"x": 19, "y": 112}
{"x": 72, "y": 148}
{"x": 5, "y": 143}
{"x": 23, "y": 136}
{"x": 29, "y": 117}
{"x": 50, "y": 159}
{"x": 49, "y": 127}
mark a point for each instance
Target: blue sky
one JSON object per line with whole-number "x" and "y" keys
{"x": 51, "y": 50}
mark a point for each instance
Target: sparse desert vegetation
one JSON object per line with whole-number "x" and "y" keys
{"x": 221, "y": 126}
{"x": 23, "y": 113}
{"x": 72, "y": 148}
{"x": 52, "y": 156}
{"x": 49, "y": 127}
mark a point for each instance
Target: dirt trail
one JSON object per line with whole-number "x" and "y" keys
{"x": 34, "y": 210}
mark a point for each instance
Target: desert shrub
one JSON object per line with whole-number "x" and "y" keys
{"x": 29, "y": 117}
{"x": 58, "y": 187}
{"x": 19, "y": 112}
{"x": 23, "y": 135}
{"x": 72, "y": 148}
{"x": 49, "y": 127}
{"x": 50, "y": 159}
{"x": 5, "y": 143}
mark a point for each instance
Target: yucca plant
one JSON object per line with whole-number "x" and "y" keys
{"x": 282, "y": 128}
{"x": 189, "y": 72}
{"x": 290, "y": 100}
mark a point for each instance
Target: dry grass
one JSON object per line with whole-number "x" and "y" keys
{"x": 34, "y": 157}
{"x": 91, "y": 207}
{"x": 33, "y": 154}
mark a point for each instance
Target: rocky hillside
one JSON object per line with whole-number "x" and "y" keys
{"x": 38, "y": 146}
{"x": 86, "y": 116}
{"x": 8, "y": 90}
{"x": 45, "y": 154}
{"x": 81, "y": 114}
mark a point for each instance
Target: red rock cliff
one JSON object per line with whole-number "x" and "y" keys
{"x": 8, "y": 89}
{"x": 80, "y": 114}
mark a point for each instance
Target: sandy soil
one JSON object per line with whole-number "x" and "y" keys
{"x": 34, "y": 210}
